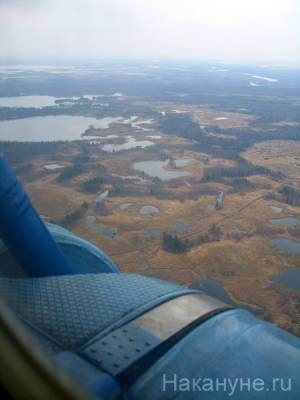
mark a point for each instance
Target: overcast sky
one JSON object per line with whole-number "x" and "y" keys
{"x": 230, "y": 31}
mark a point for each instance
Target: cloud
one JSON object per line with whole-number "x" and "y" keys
{"x": 217, "y": 30}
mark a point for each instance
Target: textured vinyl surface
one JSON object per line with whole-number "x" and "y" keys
{"x": 72, "y": 309}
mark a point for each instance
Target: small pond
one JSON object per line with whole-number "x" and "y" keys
{"x": 105, "y": 231}
{"x": 226, "y": 211}
{"x": 276, "y": 209}
{"x": 181, "y": 227}
{"x": 124, "y": 206}
{"x": 157, "y": 169}
{"x": 90, "y": 222}
{"x": 102, "y": 196}
{"x": 140, "y": 179}
{"x": 53, "y": 167}
{"x": 154, "y": 232}
{"x": 180, "y": 163}
{"x": 149, "y": 210}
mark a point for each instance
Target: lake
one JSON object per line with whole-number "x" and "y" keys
{"x": 44, "y": 101}
{"x": 287, "y": 246}
{"x": 131, "y": 143}
{"x": 289, "y": 222}
{"x": 50, "y": 128}
{"x": 289, "y": 279}
{"x": 215, "y": 289}
{"x": 27, "y": 101}
{"x": 157, "y": 169}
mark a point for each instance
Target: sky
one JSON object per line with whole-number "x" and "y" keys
{"x": 225, "y": 31}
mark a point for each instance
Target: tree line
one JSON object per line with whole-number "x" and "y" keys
{"x": 291, "y": 195}
{"x": 176, "y": 245}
